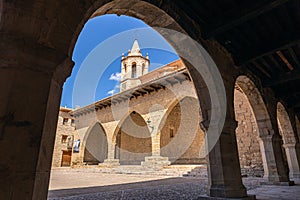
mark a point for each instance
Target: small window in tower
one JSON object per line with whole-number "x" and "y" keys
{"x": 133, "y": 70}
{"x": 125, "y": 68}
{"x": 171, "y": 132}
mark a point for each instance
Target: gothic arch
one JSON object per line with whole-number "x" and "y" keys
{"x": 181, "y": 139}
{"x": 132, "y": 140}
{"x": 94, "y": 144}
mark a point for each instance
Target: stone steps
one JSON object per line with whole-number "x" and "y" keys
{"x": 171, "y": 170}
{"x": 199, "y": 171}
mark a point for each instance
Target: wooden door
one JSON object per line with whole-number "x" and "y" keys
{"x": 66, "y": 158}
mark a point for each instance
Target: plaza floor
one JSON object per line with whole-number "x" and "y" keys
{"x": 90, "y": 184}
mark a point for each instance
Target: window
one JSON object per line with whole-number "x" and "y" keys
{"x": 72, "y": 122}
{"x": 133, "y": 70}
{"x": 125, "y": 68}
{"x": 64, "y": 138}
{"x": 65, "y": 121}
{"x": 171, "y": 132}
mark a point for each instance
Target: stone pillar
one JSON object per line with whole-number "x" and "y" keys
{"x": 155, "y": 139}
{"x": 156, "y": 160}
{"x": 268, "y": 157}
{"x": 280, "y": 163}
{"x": 293, "y": 160}
{"x": 30, "y": 98}
{"x": 111, "y": 157}
{"x": 224, "y": 170}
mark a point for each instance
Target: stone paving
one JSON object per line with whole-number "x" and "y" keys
{"x": 74, "y": 184}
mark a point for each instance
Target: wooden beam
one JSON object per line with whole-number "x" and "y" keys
{"x": 290, "y": 76}
{"x": 295, "y": 58}
{"x": 240, "y": 15}
{"x": 266, "y": 49}
{"x": 261, "y": 68}
{"x": 285, "y": 60}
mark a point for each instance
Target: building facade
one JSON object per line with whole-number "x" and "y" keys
{"x": 155, "y": 121}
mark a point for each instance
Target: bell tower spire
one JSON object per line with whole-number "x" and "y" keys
{"x": 133, "y": 66}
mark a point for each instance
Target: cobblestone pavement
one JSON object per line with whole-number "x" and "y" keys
{"x": 91, "y": 185}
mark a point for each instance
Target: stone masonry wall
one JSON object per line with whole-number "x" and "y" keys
{"x": 247, "y": 136}
{"x": 64, "y": 137}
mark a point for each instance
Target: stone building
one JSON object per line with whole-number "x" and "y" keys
{"x": 64, "y": 139}
{"x": 154, "y": 113}
{"x": 145, "y": 122}
{"x": 254, "y": 44}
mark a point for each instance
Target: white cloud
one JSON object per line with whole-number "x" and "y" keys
{"x": 111, "y": 92}
{"x": 115, "y": 90}
{"x": 115, "y": 76}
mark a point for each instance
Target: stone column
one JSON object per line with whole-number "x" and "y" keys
{"x": 293, "y": 160}
{"x": 223, "y": 163}
{"x": 31, "y": 87}
{"x": 268, "y": 157}
{"x": 280, "y": 163}
{"x": 156, "y": 160}
{"x": 111, "y": 155}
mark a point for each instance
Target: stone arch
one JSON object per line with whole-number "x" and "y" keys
{"x": 247, "y": 136}
{"x": 284, "y": 125}
{"x": 95, "y": 145}
{"x": 290, "y": 139}
{"x": 181, "y": 138}
{"x": 252, "y": 116}
{"x": 132, "y": 139}
{"x": 154, "y": 16}
{"x": 257, "y": 103}
{"x": 57, "y": 35}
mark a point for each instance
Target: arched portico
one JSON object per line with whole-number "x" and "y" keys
{"x": 181, "y": 139}
{"x": 247, "y": 136}
{"x": 132, "y": 140}
{"x": 95, "y": 145}
{"x": 36, "y": 72}
{"x": 273, "y": 164}
{"x": 290, "y": 139}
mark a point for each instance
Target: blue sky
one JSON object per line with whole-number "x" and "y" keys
{"x": 97, "y": 56}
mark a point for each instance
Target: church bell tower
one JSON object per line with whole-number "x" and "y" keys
{"x": 133, "y": 66}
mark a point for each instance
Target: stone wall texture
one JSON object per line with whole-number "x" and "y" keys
{"x": 246, "y": 133}
{"x": 64, "y": 137}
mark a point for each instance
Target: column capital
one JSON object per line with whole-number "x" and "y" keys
{"x": 230, "y": 125}
{"x": 63, "y": 71}
{"x": 290, "y": 145}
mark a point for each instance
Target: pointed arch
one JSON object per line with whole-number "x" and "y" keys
{"x": 132, "y": 139}
{"x": 95, "y": 144}
{"x": 181, "y": 138}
